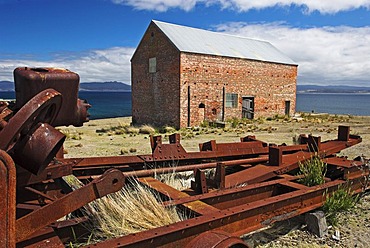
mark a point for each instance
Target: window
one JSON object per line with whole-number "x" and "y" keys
{"x": 231, "y": 100}
{"x": 152, "y": 65}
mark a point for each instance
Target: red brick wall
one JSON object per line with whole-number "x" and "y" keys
{"x": 155, "y": 96}
{"x": 271, "y": 85}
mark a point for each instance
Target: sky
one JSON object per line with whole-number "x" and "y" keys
{"x": 328, "y": 39}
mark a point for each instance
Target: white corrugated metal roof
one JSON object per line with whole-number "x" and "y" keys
{"x": 194, "y": 40}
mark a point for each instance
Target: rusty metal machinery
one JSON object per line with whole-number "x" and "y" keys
{"x": 255, "y": 183}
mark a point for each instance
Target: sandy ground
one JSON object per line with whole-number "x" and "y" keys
{"x": 105, "y": 137}
{"x": 89, "y": 140}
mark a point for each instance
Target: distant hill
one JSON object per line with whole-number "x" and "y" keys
{"x": 6, "y": 86}
{"x": 331, "y": 89}
{"x": 105, "y": 86}
{"x": 93, "y": 86}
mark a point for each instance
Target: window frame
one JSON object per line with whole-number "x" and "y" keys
{"x": 153, "y": 65}
{"x": 231, "y": 100}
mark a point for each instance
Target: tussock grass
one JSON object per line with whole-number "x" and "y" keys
{"x": 71, "y": 134}
{"x": 133, "y": 209}
{"x": 167, "y": 129}
{"x": 313, "y": 171}
{"x": 177, "y": 180}
{"x": 147, "y": 129}
{"x": 339, "y": 201}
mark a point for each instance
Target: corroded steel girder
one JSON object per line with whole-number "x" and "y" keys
{"x": 8, "y": 200}
{"x": 111, "y": 181}
{"x": 260, "y": 205}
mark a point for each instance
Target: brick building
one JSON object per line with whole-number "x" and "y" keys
{"x": 181, "y": 76}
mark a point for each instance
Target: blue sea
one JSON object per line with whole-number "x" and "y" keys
{"x": 117, "y": 104}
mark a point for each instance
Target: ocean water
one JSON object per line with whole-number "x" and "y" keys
{"x": 339, "y": 103}
{"x": 107, "y": 104}
{"x": 104, "y": 104}
{"x": 117, "y": 104}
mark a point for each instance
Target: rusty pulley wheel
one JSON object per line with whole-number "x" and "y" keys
{"x": 43, "y": 108}
{"x": 216, "y": 239}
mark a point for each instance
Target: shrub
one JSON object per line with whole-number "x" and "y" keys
{"x": 167, "y": 129}
{"x": 72, "y": 134}
{"x": 132, "y": 130}
{"x": 146, "y": 129}
{"x": 313, "y": 172}
{"x": 340, "y": 201}
{"x": 133, "y": 150}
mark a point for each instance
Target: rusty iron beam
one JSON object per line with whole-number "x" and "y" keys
{"x": 167, "y": 191}
{"x": 223, "y": 199}
{"x": 236, "y": 220}
{"x": 109, "y": 182}
{"x": 44, "y": 238}
{"x": 8, "y": 201}
{"x": 241, "y": 218}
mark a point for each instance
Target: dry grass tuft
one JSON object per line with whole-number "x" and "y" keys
{"x": 167, "y": 129}
{"x": 177, "y": 180}
{"x": 146, "y": 129}
{"x": 131, "y": 130}
{"x": 133, "y": 209}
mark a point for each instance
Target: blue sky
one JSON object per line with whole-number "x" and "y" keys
{"x": 329, "y": 40}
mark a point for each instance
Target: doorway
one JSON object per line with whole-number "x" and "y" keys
{"x": 287, "y": 108}
{"x": 248, "y": 107}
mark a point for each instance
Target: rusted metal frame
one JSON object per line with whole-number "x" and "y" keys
{"x": 335, "y": 146}
{"x": 291, "y": 161}
{"x": 234, "y": 196}
{"x": 52, "y": 171}
{"x": 57, "y": 234}
{"x": 46, "y": 196}
{"x": 152, "y": 172}
{"x": 236, "y": 220}
{"x": 360, "y": 174}
{"x": 8, "y": 201}
{"x": 262, "y": 172}
{"x": 142, "y": 159}
{"x": 167, "y": 191}
{"x": 294, "y": 185}
{"x": 200, "y": 183}
{"x": 216, "y": 239}
{"x": 110, "y": 182}
{"x": 356, "y": 171}
{"x": 281, "y": 163}
{"x": 28, "y": 116}
{"x": 44, "y": 192}
{"x": 68, "y": 230}
{"x": 342, "y": 162}
{"x": 44, "y": 238}
{"x": 102, "y": 161}
{"x": 214, "y": 146}
{"x": 220, "y": 174}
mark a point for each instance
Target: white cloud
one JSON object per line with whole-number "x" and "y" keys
{"x": 326, "y": 55}
{"x": 158, "y": 5}
{"x": 307, "y": 6}
{"x": 100, "y": 65}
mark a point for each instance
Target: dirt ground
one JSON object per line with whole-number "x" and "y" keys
{"x": 108, "y": 137}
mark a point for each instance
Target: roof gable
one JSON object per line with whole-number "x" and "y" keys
{"x": 193, "y": 40}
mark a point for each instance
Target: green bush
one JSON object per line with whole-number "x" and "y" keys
{"x": 313, "y": 172}
{"x": 339, "y": 201}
